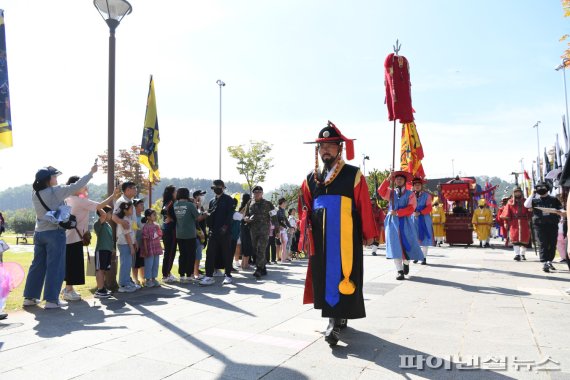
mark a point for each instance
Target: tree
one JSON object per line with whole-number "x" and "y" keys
{"x": 128, "y": 167}
{"x": 22, "y": 220}
{"x": 253, "y": 163}
{"x": 374, "y": 180}
{"x": 288, "y": 191}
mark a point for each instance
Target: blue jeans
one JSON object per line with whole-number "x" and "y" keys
{"x": 48, "y": 266}
{"x": 151, "y": 266}
{"x": 126, "y": 263}
{"x": 199, "y": 248}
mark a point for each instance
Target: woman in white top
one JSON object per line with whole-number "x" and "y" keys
{"x": 81, "y": 205}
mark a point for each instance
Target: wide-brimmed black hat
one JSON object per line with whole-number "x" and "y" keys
{"x": 332, "y": 134}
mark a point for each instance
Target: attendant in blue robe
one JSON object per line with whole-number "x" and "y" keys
{"x": 422, "y": 216}
{"x": 401, "y": 234}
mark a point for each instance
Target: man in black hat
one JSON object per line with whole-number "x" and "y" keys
{"x": 545, "y": 222}
{"x": 258, "y": 218}
{"x": 337, "y": 201}
{"x": 221, "y": 212}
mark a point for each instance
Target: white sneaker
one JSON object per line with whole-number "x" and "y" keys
{"x": 173, "y": 278}
{"x": 31, "y": 302}
{"x": 227, "y": 280}
{"x": 236, "y": 265}
{"x": 71, "y": 295}
{"x": 198, "y": 277}
{"x": 167, "y": 280}
{"x": 218, "y": 273}
{"x": 127, "y": 289}
{"x": 53, "y": 305}
{"x": 208, "y": 281}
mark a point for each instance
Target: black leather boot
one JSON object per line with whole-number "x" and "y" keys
{"x": 400, "y": 275}
{"x": 332, "y": 333}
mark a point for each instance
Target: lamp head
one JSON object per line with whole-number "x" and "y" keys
{"x": 220, "y": 83}
{"x": 113, "y": 11}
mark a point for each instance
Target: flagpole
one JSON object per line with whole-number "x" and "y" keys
{"x": 538, "y": 151}
{"x": 149, "y": 192}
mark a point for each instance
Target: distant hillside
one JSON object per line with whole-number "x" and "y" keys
{"x": 20, "y": 197}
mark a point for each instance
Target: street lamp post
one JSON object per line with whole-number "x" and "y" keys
{"x": 538, "y": 151}
{"x": 563, "y": 67}
{"x": 220, "y": 83}
{"x": 364, "y": 158}
{"x": 453, "y": 168}
{"x": 112, "y": 12}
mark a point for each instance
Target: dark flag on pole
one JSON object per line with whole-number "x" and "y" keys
{"x": 566, "y": 142}
{"x": 5, "y": 116}
{"x": 149, "y": 146}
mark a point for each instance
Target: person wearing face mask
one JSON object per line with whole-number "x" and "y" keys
{"x": 546, "y": 223}
{"x": 438, "y": 221}
{"x": 517, "y": 217}
{"x": 337, "y": 200}
{"x": 482, "y": 221}
{"x": 401, "y": 234}
{"x": 221, "y": 213}
{"x": 421, "y": 216}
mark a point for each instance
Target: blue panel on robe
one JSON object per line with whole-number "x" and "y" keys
{"x": 423, "y": 223}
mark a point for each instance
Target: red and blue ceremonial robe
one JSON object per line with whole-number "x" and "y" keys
{"x": 341, "y": 216}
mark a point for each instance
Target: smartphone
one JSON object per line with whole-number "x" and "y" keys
{"x": 96, "y": 160}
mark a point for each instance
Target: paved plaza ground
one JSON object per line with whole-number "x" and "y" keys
{"x": 469, "y": 310}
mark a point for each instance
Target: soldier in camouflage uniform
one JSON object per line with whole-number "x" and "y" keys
{"x": 258, "y": 219}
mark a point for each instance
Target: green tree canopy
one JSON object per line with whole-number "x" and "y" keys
{"x": 253, "y": 162}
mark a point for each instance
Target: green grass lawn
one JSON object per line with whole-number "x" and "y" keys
{"x": 23, "y": 255}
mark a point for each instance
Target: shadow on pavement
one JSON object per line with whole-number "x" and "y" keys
{"x": 499, "y": 271}
{"x": 405, "y": 361}
{"x": 232, "y": 369}
{"x": 470, "y": 288}
{"x": 78, "y": 316}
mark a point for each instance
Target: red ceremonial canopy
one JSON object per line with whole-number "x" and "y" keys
{"x": 456, "y": 191}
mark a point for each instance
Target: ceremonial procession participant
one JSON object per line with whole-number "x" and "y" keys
{"x": 258, "y": 219}
{"x": 503, "y": 225}
{"x": 517, "y": 217}
{"x": 482, "y": 221}
{"x": 401, "y": 234}
{"x": 545, "y": 222}
{"x": 379, "y": 217}
{"x": 438, "y": 221}
{"x": 422, "y": 216}
{"x": 337, "y": 201}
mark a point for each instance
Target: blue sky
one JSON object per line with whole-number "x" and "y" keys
{"x": 482, "y": 74}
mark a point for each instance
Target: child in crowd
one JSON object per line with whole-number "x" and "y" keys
{"x": 138, "y": 271}
{"x": 103, "y": 250}
{"x": 126, "y": 245}
{"x": 150, "y": 247}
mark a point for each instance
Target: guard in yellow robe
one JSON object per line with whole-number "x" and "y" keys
{"x": 482, "y": 222}
{"x": 438, "y": 221}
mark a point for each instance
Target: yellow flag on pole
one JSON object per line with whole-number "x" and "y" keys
{"x": 149, "y": 147}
